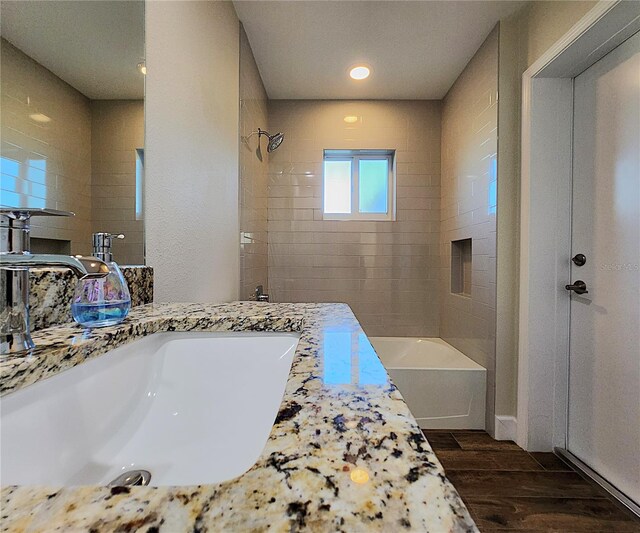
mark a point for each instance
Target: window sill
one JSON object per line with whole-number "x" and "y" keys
{"x": 361, "y": 218}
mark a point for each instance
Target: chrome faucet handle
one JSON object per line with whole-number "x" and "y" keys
{"x": 24, "y": 213}
{"x": 259, "y": 295}
{"x": 15, "y": 225}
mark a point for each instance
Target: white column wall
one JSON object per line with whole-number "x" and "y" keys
{"x": 191, "y": 150}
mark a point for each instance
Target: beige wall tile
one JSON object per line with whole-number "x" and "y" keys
{"x": 381, "y": 269}
{"x": 82, "y": 160}
{"x": 254, "y": 178}
{"x": 117, "y": 130}
{"x": 45, "y": 164}
{"x": 468, "y": 209}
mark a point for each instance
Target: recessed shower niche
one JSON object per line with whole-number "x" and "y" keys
{"x": 461, "y": 267}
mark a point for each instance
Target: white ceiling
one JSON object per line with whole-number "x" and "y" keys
{"x": 92, "y": 45}
{"x": 416, "y": 49}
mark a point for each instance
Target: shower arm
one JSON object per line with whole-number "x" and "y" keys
{"x": 259, "y": 133}
{"x": 275, "y": 140}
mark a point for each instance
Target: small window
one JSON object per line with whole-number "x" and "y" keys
{"x": 358, "y": 185}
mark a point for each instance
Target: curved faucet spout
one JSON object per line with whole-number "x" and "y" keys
{"x": 84, "y": 267}
{"x": 15, "y": 261}
{"x": 15, "y": 336}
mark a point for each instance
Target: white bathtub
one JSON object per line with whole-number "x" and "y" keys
{"x": 443, "y": 387}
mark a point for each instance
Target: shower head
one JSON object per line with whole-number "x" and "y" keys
{"x": 274, "y": 140}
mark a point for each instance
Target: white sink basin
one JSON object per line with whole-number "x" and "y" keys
{"x": 191, "y": 408}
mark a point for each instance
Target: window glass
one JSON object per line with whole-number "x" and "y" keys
{"x": 373, "y": 185}
{"x": 358, "y": 185}
{"x": 337, "y": 186}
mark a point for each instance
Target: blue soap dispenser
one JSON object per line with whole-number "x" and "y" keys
{"x": 104, "y": 301}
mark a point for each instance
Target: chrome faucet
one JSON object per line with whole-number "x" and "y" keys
{"x": 15, "y": 261}
{"x": 259, "y": 294}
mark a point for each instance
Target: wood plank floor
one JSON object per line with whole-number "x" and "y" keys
{"x": 507, "y": 489}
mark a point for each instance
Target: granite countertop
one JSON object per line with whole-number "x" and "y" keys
{"x": 344, "y": 454}
{"x": 51, "y": 292}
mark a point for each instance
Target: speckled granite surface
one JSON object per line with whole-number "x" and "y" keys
{"x": 331, "y": 422}
{"x": 140, "y": 282}
{"x": 51, "y": 291}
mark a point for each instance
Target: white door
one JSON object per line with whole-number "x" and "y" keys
{"x": 604, "y": 359}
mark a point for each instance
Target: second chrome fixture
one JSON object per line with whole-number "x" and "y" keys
{"x": 275, "y": 140}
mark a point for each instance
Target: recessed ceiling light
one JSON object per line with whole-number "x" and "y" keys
{"x": 351, "y": 119}
{"x": 142, "y": 68}
{"x": 360, "y": 72}
{"x": 39, "y": 117}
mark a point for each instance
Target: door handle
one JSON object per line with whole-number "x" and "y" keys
{"x": 579, "y": 287}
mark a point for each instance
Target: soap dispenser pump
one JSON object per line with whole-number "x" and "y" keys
{"x": 105, "y": 301}
{"x": 102, "y": 243}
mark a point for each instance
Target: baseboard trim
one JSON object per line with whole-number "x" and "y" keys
{"x": 506, "y": 428}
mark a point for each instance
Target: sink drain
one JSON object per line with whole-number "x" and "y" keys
{"x": 131, "y": 478}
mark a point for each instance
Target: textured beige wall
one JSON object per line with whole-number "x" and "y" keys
{"x": 468, "y": 208}
{"x": 117, "y": 129}
{"x": 386, "y": 271}
{"x": 253, "y": 175}
{"x": 524, "y": 37}
{"x": 541, "y": 24}
{"x": 191, "y": 150}
{"x": 45, "y": 164}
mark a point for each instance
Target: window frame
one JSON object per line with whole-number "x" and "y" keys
{"x": 354, "y": 156}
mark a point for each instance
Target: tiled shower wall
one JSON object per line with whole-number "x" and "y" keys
{"x": 117, "y": 130}
{"x": 469, "y": 206}
{"x": 61, "y": 150}
{"x": 46, "y": 148}
{"x": 386, "y": 271}
{"x": 253, "y": 175}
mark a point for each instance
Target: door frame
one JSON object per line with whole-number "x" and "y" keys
{"x": 545, "y": 219}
